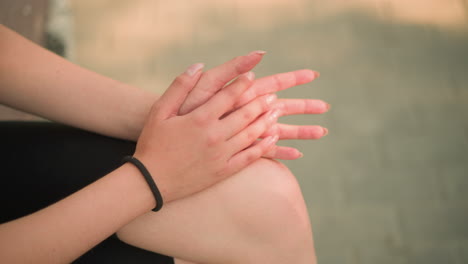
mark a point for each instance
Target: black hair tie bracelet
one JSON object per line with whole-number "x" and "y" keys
{"x": 149, "y": 180}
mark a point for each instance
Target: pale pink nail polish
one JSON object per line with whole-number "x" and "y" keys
{"x": 259, "y": 52}
{"x": 269, "y": 140}
{"x": 272, "y": 139}
{"x": 325, "y": 131}
{"x": 270, "y": 99}
{"x": 250, "y": 75}
{"x": 274, "y": 115}
{"x": 192, "y": 70}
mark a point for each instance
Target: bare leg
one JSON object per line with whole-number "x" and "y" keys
{"x": 256, "y": 216}
{"x": 180, "y": 261}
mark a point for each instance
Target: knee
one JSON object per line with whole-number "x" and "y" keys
{"x": 269, "y": 206}
{"x": 268, "y": 188}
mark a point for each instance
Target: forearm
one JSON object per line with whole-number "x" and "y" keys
{"x": 65, "y": 230}
{"x": 35, "y": 80}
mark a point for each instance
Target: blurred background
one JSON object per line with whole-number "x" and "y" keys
{"x": 389, "y": 184}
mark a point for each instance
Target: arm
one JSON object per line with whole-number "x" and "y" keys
{"x": 37, "y": 81}
{"x": 211, "y": 150}
{"x": 67, "y": 229}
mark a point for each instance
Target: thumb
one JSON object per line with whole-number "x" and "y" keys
{"x": 175, "y": 95}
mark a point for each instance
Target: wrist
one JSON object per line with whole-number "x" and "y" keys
{"x": 136, "y": 187}
{"x": 138, "y": 110}
{"x": 159, "y": 177}
{"x": 149, "y": 180}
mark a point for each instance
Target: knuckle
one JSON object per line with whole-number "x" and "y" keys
{"x": 200, "y": 120}
{"x": 247, "y": 115}
{"x": 252, "y": 155}
{"x": 232, "y": 91}
{"x": 229, "y": 96}
{"x": 213, "y": 139}
{"x": 263, "y": 104}
{"x": 250, "y": 136}
{"x": 277, "y": 80}
{"x": 239, "y": 64}
{"x": 246, "y": 97}
{"x": 213, "y": 79}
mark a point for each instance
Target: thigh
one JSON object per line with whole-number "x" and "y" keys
{"x": 255, "y": 216}
{"x": 44, "y": 162}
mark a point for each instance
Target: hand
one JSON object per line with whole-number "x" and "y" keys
{"x": 190, "y": 152}
{"x": 282, "y": 81}
{"x": 271, "y": 84}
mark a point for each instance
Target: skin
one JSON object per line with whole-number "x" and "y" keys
{"x": 239, "y": 220}
{"x": 125, "y": 109}
{"x": 66, "y": 93}
{"x": 219, "y": 217}
{"x": 225, "y": 142}
{"x": 227, "y": 71}
{"x": 39, "y": 237}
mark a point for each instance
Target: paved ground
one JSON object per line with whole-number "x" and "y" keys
{"x": 389, "y": 184}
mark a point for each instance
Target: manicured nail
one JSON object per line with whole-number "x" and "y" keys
{"x": 270, "y": 99}
{"x": 250, "y": 75}
{"x": 325, "y": 131}
{"x": 259, "y": 52}
{"x": 275, "y": 138}
{"x": 272, "y": 139}
{"x": 195, "y": 68}
{"x": 274, "y": 115}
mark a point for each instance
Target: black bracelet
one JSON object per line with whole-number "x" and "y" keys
{"x": 149, "y": 180}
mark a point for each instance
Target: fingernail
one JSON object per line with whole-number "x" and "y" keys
{"x": 327, "y": 106}
{"x": 301, "y": 155}
{"x": 192, "y": 70}
{"x": 325, "y": 131}
{"x": 270, "y": 99}
{"x": 272, "y": 139}
{"x": 259, "y": 52}
{"x": 275, "y": 138}
{"x": 274, "y": 115}
{"x": 250, "y": 75}
{"x": 317, "y": 74}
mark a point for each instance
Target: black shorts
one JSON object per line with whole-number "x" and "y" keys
{"x": 42, "y": 162}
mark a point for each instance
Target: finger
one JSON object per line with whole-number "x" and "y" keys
{"x": 281, "y": 152}
{"x": 215, "y": 79}
{"x": 301, "y": 106}
{"x": 285, "y": 131}
{"x": 284, "y": 153}
{"x": 251, "y": 133}
{"x": 278, "y": 82}
{"x": 223, "y": 101}
{"x": 242, "y": 117}
{"x": 172, "y": 99}
{"x": 251, "y": 154}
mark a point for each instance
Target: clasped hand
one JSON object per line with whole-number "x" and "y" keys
{"x": 203, "y": 130}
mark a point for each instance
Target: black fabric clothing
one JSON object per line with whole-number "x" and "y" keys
{"x": 43, "y": 162}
